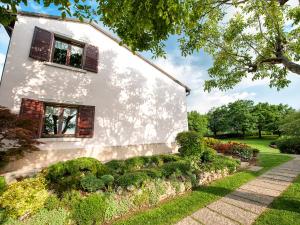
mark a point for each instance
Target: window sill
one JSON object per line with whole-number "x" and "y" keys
{"x": 59, "y": 139}
{"x": 65, "y": 67}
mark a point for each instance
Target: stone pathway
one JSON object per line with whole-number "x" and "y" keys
{"x": 244, "y": 205}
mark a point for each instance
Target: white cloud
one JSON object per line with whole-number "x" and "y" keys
{"x": 193, "y": 76}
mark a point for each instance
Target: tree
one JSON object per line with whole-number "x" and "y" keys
{"x": 240, "y": 117}
{"x": 290, "y": 125}
{"x": 197, "y": 122}
{"x": 264, "y": 115}
{"x": 280, "y": 112}
{"x": 244, "y": 37}
{"x": 217, "y": 119}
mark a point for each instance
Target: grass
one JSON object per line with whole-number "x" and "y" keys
{"x": 284, "y": 210}
{"x": 176, "y": 209}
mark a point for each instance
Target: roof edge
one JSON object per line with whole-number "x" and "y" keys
{"x": 96, "y": 26}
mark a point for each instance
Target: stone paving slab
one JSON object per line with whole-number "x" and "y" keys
{"x": 253, "y": 196}
{"x": 276, "y": 177}
{"x": 233, "y": 212}
{"x": 261, "y": 190}
{"x": 188, "y": 221}
{"x": 254, "y": 168}
{"x": 209, "y": 217}
{"x": 272, "y": 173}
{"x": 264, "y": 184}
{"x": 243, "y": 203}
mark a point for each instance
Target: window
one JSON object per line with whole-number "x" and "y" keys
{"x": 67, "y": 53}
{"x": 60, "y": 121}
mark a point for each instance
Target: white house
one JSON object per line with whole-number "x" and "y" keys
{"x": 89, "y": 95}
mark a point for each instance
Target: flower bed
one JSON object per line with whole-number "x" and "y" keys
{"x": 85, "y": 191}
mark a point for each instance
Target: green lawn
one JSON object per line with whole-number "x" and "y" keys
{"x": 176, "y": 209}
{"x": 285, "y": 210}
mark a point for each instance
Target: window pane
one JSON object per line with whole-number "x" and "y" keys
{"x": 51, "y": 120}
{"x": 60, "y": 121}
{"x": 69, "y": 121}
{"x": 60, "y": 52}
{"x": 76, "y": 56}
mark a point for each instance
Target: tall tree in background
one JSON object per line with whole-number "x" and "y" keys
{"x": 290, "y": 125}
{"x": 240, "y": 116}
{"x": 264, "y": 115}
{"x": 217, "y": 119}
{"x": 197, "y": 122}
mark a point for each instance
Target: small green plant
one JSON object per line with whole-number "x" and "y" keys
{"x": 90, "y": 210}
{"x": 49, "y": 217}
{"x": 91, "y": 183}
{"x": 70, "y": 198}
{"x": 24, "y": 197}
{"x": 108, "y": 180}
{"x": 2, "y": 184}
{"x": 116, "y": 166}
{"x": 179, "y": 167}
{"x": 134, "y": 178}
{"x": 208, "y": 155}
{"x": 52, "y": 202}
{"x": 190, "y": 143}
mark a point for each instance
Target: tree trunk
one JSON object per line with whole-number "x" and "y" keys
{"x": 259, "y": 133}
{"x": 215, "y": 133}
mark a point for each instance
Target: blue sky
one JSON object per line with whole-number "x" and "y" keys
{"x": 192, "y": 71}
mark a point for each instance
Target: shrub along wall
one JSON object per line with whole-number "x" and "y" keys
{"x": 86, "y": 191}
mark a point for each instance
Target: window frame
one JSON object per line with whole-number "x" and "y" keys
{"x": 61, "y": 105}
{"x": 69, "y": 42}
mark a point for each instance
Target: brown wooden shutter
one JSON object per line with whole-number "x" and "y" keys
{"x": 33, "y": 110}
{"x": 41, "y": 45}
{"x": 91, "y": 55}
{"x": 85, "y": 121}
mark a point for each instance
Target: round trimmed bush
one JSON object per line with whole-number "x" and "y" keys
{"x": 208, "y": 155}
{"x": 190, "y": 143}
{"x": 289, "y": 145}
{"x": 91, "y": 183}
{"x": 134, "y": 178}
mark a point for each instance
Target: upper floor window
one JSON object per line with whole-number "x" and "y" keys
{"x": 67, "y": 53}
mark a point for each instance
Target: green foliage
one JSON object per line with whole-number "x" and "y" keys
{"x": 197, "y": 122}
{"x": 117, "y": 206}
{"x": 289, "y": 145}
{"x": 91, "y": 183}
{"x": 90, "y": 210}
{"x": 108, "y": 180}
{"x": 217, "y": 119}
{"x": 153, "y": 172}
{"x": 290, "y": 125}
{"x": 68, "y": 174}
{"x": 211, "y": 142}
{"x": 70, "y": 198}
{"x": 134, "y": 163}
{"x": 52, "y": 202}
{"x": 49, "y": 217}
{"x": 116, "y": 166}
{"x": 221, "y": 162}
{"x": 208, "y": 155}
{"x": 24, "y": 197}
{"x": 178, "y": 168}
{"x": 133, "y": 178}
{"x": 190, "y": 143}
{"x": 2, "y": 184}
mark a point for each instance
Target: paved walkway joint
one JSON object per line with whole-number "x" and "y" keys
{"x": 244, "y": 205}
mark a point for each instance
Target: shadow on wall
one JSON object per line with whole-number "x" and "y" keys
{"x": 132, "y": 108}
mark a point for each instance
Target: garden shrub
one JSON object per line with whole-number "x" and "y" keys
{"x": 211, "y": 142}
{"x": 153, "y": 172}
{"x": 52, "y": 202}
{"x": 133, "y": 178}
{"x": 208, "y": 155}
{"x": 90, "y": 210}
{"x": 221, "y": 162}
{"x": 2, "y": 184}
{"x": 289, "y": 145}
{"x": 49, "y": 217}
{"x": 91, "y": 183}
{"x": 70, "y": 198}
{"x": 24, "y": 197}
{"x": 108, "y": 180}
{"x": 68, "y": 174}
{"x": 190, "y": 143}
{"x": 170, "y": 158}
{"x": 134, "y": 163}
{"x": 116, "y": 166}
{"x": 156, "y": 160}
{"x": 117, "y": 206}
{"x": 179, "y": 168}
{"x": 141, "y": 198}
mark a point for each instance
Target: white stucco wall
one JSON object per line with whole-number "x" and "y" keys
{"x": 135, "y": 102}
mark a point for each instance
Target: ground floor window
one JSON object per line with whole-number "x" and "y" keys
{"x": 60, "y": 121}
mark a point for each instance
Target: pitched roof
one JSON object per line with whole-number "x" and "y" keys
{"x": 96, "y": 26}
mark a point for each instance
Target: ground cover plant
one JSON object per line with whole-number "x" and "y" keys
{"x": 86, "y": 191}
{"x": 174, "y": 210}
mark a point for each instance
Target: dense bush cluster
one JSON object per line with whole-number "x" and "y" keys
{"x": 88, "y": 192}
{"x": 239, "y": 150}
{"x": 289, "y": 145}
